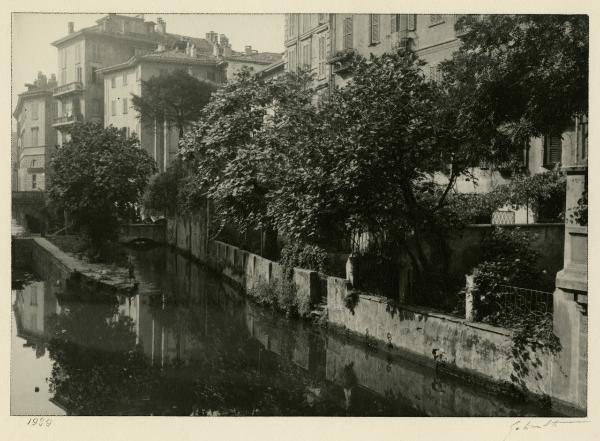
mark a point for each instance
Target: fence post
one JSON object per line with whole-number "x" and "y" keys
{"x": 470, "y": 285}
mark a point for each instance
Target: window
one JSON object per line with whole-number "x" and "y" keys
{"x": 35, "y": 110}
{"x": 552, "y": 150}
{"x": 394, "y": 22}
{"x": 348, "y": 37}
{"x": 113, "y": 82}
{"x": 97, "y": 107}
{"x": 305, "y": 22}
{"x": 32, "y": 164}
{"x": 306, "y": 62}
{"x": 322, "y": 55}
{"x": 435, "y": 19}
{"x": 125, "y": 79}
{"x": 292, "y": 66}
{"x": 374, "y": 28}
{"x": 138, "y": 73}
{"x": 34, "y": 136}
{"x": 125, "y": 109}
{"x": 435, "y": 73}
{"x": 78, "y": 73}
{"x": 33, "y": 182}
{"x": 411, "y": 22}
{"x": 113, "y": 107}
{"x": 95, "y": 77}
{"x": 292, "y": 25}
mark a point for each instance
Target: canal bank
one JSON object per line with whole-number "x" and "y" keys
{"x": 466, "y": 349}
{"x": 194, "y": 345}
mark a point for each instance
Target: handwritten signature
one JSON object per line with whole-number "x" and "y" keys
{"x": 531, "y": 425}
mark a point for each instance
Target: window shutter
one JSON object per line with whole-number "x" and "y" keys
{"x": 394, "y": 23}
{"x": 321, "y": 56}
{"x": 374, "y": 28}
{"x": 402, "y": 22}
{"x": 348, "y": 33}
{"x": 412, "y": 22}
{"x": 553, "y": 150}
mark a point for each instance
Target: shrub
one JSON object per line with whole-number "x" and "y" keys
{"x": 298, "y": 255}
{"x": 280, "y": 295}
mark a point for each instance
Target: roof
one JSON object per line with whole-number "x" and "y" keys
{"x": 271, "y": 69}
{"x": 171, "y": 56}
{"x": 33, "y": 93}
{"x": 258, "y": 57}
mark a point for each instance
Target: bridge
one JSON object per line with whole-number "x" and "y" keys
{"x": 29, "y": 210}
{"x": 138, "y": 234}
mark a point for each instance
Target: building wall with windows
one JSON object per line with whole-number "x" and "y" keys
{"x": 125, "y": 79}
{"x": 307, "y": 46}
{"x": 434, "y": 38}
{"x": 35, "y": 136}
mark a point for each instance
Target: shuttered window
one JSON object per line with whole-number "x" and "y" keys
{"x": 322, "y": 56}
{"x": 348, "y": 37}
{"x": 412, "y": 22}
{"x": 306, "y": 64}
{"x": 552, "y": 150}
{"x": 374, "y": 24}
{"x": 292, "y": 59}
{"x": 394, "y": 23}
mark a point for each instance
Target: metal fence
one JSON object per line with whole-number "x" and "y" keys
{"x": 506, "y": 305}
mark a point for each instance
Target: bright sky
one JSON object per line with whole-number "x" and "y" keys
{"x": 32, "y": 34}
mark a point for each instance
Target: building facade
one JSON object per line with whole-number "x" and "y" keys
{"x": 308, "y": 46}
{"x": 434, "y": 38}
{"x": 124, "y": 79}
{"x": 113, "y": 40}
{"x": 251, "y": 59}
{"x": 35, "y": 136}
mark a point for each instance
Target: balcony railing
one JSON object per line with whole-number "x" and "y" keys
{"x": 67, "y": 119}
{"x": 65, "y": 89}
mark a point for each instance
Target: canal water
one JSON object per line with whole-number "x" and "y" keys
{"x": 189, "y": 344}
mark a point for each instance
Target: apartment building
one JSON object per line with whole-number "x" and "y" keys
{"x": 251, "y": 58}
{"x": 35, "y": 136}
{"x": 124, "y": 79}
{"x": 81, "y": 54}
{"x": 322, "y": 44}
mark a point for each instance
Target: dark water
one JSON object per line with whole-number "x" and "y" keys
{"x": 189, "y": 344}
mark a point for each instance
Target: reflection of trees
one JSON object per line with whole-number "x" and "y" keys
{"x": 97, "y": 368}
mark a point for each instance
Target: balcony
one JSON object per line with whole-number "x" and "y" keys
{"x": 62, "y": 121}
{"x": 74, "y": 87}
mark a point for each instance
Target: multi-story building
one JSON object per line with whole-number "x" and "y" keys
{"x": 113, "y": 40}
{"x": 35, "y": 135}
{"x": 14, "y": 161}
{"x": 124, "y": 79}
{"x": 307, "y": 46}
{"x": 434, "y": 38}
{"x": 250, "y": 58}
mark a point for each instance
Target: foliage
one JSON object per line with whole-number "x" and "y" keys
{"x": 297, "y": 255}
{"x": 174, "y": 97}
{"x": 580, "y": 212}
{"x": 161, "y": 195}
{"x": 98, "y": 177}
{"x": 280, "y": 295}
{"x": 508, "y": 259}
{"x": 518, "y": 76}
{"x": 544, "y": 192}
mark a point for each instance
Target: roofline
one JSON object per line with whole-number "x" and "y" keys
{"x": 88, "y": 31}
{"x": 133, "y": 61}
{"x": 248, "y": 61}
{"x": 29, "y": 94}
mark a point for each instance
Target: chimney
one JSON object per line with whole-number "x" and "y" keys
{"x": 248, "y": 50}
{"x": 71, "y": 27}
{"x": 52, "y": 81}
{"x": 41, "y": 80}
{"x": 161, "y": 26}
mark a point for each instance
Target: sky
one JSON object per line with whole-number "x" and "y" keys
{"x": 32, "y": 34}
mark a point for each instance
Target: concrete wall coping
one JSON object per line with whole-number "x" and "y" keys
{"x": 536, "y": 225}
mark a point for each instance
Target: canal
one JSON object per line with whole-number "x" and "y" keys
{"x": 187, "y": 343}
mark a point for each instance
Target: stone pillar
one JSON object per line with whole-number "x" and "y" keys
{"x": 569, "y": 375}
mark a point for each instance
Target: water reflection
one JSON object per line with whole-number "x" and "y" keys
{"x": 188, "y": 344}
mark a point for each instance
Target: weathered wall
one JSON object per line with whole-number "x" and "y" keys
{"x": 477, "y": 349}
{"x": 546, "y": 239}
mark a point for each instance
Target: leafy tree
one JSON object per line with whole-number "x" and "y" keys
{"x": 518, "y": 76}
{"x": 98, "y": 176}
{"x": 176, "y": 98}
{"x": 163, "y": 189}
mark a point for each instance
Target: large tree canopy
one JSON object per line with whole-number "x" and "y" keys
{"x": 517, "y": 76}
{"x": 98, "y": 176}
{"x": 175, "y": 97}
